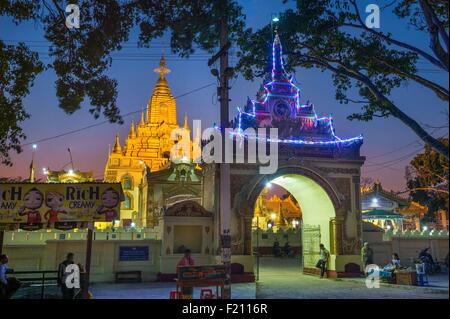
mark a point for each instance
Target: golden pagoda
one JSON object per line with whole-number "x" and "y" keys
{"x": 280, "y": 212}
{"x": 148, "y": 144}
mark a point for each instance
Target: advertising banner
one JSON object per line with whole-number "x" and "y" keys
{"x": 201, "y": 272}
{"x": 62, "y": 206}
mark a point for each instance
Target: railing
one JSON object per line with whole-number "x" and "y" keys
{"x": 416, "y": 234}
{"x": 39, "y": 277}
{"x": 41, "y": 236}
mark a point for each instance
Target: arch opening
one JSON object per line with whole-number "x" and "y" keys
{"x": 316, "y": 206}
{"x": 308, "y": 223}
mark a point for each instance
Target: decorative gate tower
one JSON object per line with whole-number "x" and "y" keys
{"x": 320, "y": 169}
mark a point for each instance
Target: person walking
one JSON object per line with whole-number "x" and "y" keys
{"x": 366, "y": 256}
{"x": 322, "y": 264}
{"x": 67, "y": 293}
{"x": 8, "y": 286}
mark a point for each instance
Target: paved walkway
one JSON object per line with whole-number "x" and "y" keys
{"x": 159, "y": 290}
{"x": 279, "y": 279}
{"x": 282, "y": 279}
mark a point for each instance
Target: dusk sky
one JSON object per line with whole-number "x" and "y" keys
{"x": 388, "y": 144}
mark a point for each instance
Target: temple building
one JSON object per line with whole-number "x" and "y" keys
{"x": 70, "y": 176}
{"x": 390, "y": 211}
{"x": 147, "y": 147}
{"x": 276, "y": 211}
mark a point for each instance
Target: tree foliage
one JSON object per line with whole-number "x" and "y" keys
{"x": 81, "y": 57}
{"x": 331, "y": 35}
{"x": 427, "y": 179}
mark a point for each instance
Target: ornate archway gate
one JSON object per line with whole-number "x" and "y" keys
{"x": 321, "y": 169}
{"x": 338, "y": 178}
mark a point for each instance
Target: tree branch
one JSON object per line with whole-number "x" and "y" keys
{"x": 433, "y": 30}
{"x": 431, "y": 189}
{"x": 391, "y": 107}
{"x": 390, "y": 40}
{"x": 440, "y": 91}
{"x": 442, "y": 31}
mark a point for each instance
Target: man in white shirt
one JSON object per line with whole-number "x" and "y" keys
{"x": 7, "y": 286}
{"x": 323, "y": 261}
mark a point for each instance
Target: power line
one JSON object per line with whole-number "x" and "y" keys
{"x": 107, "y": 121}
{"x": 391, "y": 163}
{"x": 393, "y": 160}
{"x": 405, "y": 146}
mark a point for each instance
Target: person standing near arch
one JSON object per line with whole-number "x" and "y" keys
{"x": 323, "y": 261}
{"x": 366, "y": 256}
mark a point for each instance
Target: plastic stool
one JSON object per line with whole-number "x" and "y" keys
{"x": 175, "y": 294}
{"x": 206, "y": 293}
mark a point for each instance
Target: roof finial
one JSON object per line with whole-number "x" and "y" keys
{"x": 142, "y": 123}
{"x": 162, "y": 70}
{"x": 117, "y": 148}
{"x": 278, "y": 72}
{"x": 186, "y": 125}
{"x": 132, "y": 132}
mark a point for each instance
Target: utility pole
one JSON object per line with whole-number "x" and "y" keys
{"x": 87, "y": 266}
{"x": 223, "y": 90}
{"x": 2, "y": 235}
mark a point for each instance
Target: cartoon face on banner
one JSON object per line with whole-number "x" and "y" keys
{"x": 34, "y": 206}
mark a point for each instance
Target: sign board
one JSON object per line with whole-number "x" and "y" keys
{"x": 63, "y": 206}
{"x": 201, "y": 272}
{"x": 134, "y": 253}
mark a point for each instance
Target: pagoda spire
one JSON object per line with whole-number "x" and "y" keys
{"x": 117, "y": 148}
{"x": 162, "y": 70}
{"x": 142, "y": 123}
{"x": 132, "y": 131}
{"x": 186, "y": 122}
{"x": 278, "y": 72}
{"x": 162, "y": 106}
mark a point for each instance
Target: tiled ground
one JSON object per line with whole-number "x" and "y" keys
{"x": 282, "y": 278}
{"x": 278, "y": 278}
